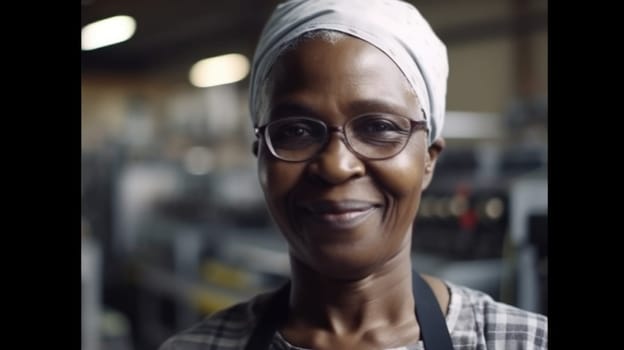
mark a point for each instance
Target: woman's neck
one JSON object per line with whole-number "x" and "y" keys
{"x": 364, "y": 307}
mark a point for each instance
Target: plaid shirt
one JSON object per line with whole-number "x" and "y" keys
{"x": 474, "y": 320}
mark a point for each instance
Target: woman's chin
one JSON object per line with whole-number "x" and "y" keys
{"x": 342, "y": 264}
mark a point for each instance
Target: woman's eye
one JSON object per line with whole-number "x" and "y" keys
{"x": 379, "y": 130}
{"x": 380, "y": 125}
{"x": 374, "y": 126}
{"x": 295, "y": 131}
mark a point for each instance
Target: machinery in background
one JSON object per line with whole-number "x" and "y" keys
{"x": 482, "y": 223}
{"x": 198, "y": 243}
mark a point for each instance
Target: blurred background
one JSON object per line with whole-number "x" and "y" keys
{"x": 174, "y": 226}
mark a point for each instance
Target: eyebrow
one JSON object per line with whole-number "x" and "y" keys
{"x": 377, "y": 105}
{"x": 285, "y": 109}
{"x": 358, "y": 107}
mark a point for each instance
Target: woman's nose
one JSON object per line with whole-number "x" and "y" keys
{"x": 336, "y": 163}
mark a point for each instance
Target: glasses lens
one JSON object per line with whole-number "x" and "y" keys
{"x": 296, "y": 139}
{"x": 378, "y": 136}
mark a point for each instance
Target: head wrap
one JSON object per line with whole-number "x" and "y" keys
{"x": 395, "y": 27}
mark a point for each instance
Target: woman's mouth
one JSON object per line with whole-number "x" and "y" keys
{"x": 342, "y": 214}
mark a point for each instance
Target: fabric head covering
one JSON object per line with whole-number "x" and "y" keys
{"x": 395, "y": 27}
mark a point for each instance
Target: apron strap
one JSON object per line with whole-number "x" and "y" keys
{"x": 433, "y": 329}
{"x": 274, "y": 315}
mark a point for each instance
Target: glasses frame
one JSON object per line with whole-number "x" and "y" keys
{"x": 261, "y": 131}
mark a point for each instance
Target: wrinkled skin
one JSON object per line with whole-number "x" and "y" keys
{"x": 347, "y": 220}
{"x": 336, "y": 82}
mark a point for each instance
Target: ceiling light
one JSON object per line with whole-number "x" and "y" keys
{"x": 107, "y": 32}
{"x": 219, "y": 70}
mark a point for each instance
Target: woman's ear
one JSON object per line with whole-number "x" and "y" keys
{"x": 254, "y": 148}
{"x": 430, "y": 160}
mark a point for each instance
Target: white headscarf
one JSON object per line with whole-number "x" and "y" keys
{"x": 395, "y": 27}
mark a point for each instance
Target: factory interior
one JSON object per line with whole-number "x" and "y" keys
{"x": 174, "y": 225}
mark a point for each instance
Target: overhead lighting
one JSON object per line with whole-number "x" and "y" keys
{"x": 219, "y": 70}
{"x": 107, "y": 32}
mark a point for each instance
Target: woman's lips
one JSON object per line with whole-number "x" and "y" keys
{"x": 339, "y": 214}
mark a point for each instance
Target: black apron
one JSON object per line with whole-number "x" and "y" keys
{"x": 433, "y": 330}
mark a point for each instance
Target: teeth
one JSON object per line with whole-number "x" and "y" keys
{"x": 342, "y": 216}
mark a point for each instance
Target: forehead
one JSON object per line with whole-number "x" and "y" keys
{"x": 322, "y": 73}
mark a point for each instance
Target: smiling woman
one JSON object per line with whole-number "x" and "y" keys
{"x": 348, "y": 106}
{"x": 345, "y": 214}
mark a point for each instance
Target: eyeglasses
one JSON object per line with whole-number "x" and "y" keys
{"x": 371, "y": 136}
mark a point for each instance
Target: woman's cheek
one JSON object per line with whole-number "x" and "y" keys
{"x": 400, "y": 177}
{"x": 268, "y": 173}
{"x": 279, "y": 178}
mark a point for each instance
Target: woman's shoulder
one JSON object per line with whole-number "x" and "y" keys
{"x": 498, "y": 324}
{"x": 226, "y": 329}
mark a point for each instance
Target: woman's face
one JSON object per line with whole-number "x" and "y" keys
{"x": 343, "y": 216}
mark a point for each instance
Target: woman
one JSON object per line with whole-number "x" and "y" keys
{"x": 348, "y": 101}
